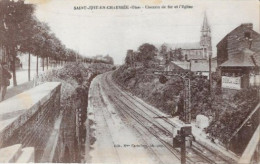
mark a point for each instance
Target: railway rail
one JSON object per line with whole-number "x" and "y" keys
{"x": 146, "y": 119}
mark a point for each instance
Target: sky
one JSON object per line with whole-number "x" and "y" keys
{"x": 113, "y": 32}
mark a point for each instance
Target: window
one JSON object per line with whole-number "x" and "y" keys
{"x": 247, "y": 35}
{"x": 186, "y": 57}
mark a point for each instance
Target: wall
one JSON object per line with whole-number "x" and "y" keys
{"x": 72, "y": 136}
{"x": 28, "y": 118}
{"x": 222, "y": 52}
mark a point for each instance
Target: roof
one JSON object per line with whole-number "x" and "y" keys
{"x": 256, "y": 59}
{"x": 184, "y": 65}
{"x": 191, "y": 45}
{"x": 243, "y": 59}
{"x": 175, "y": 66}
{"x": 199, "y": 59}
{"x": 214, "y": 58}
{"x": 248, "y": 26}
{"x": 200, "y": 67}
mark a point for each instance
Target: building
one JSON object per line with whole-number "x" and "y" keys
{"x": 201, "y": 66}
{"x": 198, "y": 66}
{"x": 241, "y": 70}
{"x": 241, "y": 37}
{"x": 238, "y": 55}
{"x": 198, "y": 50}
{"x": 184, "y": 65}
{"x": 177, "y": 66}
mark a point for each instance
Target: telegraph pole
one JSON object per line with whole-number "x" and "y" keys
{"x": 187, "y": 105}
{"x": 183, "y": 149}
{"x": 185, "y": 131}
{"x": 210, "y": 77}
{"x": 186, "y": 93}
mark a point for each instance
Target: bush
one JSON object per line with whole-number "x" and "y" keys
{"x": 169, "y": 96}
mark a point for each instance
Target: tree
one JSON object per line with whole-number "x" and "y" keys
{"x": 12, "y": 15}
{"x": 28, "y": 45}
{"x": 129, "y": 57}
{"x": 42, "y": 30}
{"x": 163, "y": 50}
{"x": 147, "y": 52}
{"x": 21, "y": 31}
{"x": 165, "y": 53}
{"x": 176, "y": 54}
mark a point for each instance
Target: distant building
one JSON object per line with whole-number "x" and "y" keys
{"x": 201, "y": 66}
{"x": 197, "y": 50}
{"x": 198, "y": 66}
{"x": 172, "y": 66}
{"x": 98, "y": 57}
{"x": 106, "y": 59}
{"x": 184, "y": 65}
{"x": 241, "y": 37}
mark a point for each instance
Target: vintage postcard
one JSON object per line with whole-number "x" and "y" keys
{"x": 130, "y": 81}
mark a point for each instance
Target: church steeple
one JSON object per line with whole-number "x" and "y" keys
{"x": 205, "y": 39}
{"x": 205, "y": 26}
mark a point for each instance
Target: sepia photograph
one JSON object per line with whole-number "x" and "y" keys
{"x": 130, "y": 81}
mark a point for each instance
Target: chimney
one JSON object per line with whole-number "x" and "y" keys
{"x": 248, "y": 25}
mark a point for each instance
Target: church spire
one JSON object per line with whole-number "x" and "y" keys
{"x": 205, "y": 25}
{"x": 205, "y": 39}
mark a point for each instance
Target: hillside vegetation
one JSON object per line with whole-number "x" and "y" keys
{"x": 225, "y": 112}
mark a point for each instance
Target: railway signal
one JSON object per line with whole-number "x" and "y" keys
{"x": 184, "y": 75}
{"x": 163, "y": 79}
{"x": 179, "y": 141}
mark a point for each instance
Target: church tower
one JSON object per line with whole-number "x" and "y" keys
{"x": 205, "y": 39}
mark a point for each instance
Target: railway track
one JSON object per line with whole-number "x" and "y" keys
{"x": 197, "y": 154}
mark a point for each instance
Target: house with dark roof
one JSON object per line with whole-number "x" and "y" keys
{"x": 241, "y": 70}
{"x": 201, "y": 66}
{"x": 238, "y": 55}
{"x": 198, "y": 66}
{"x": 177, "y": 66}
{"x": 241, "y": 37}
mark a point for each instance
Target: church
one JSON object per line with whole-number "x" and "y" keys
{"x": 195, "y": 50}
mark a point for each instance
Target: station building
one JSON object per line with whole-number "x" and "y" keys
{"x": 238, "y": 56}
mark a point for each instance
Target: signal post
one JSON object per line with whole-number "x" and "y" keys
{"x": 179, "y": 141}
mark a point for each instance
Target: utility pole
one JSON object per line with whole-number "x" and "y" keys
{"x": 184, "y": 132}
{"x": 179, "y": 141}
{"x": 210, "y": 77}
{"x": 183, "y": 149}
{"x": 187, "y": 105}
{"x": 187, "y": 93}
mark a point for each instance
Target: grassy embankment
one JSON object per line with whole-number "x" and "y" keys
{"x": 225, "y": 112}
